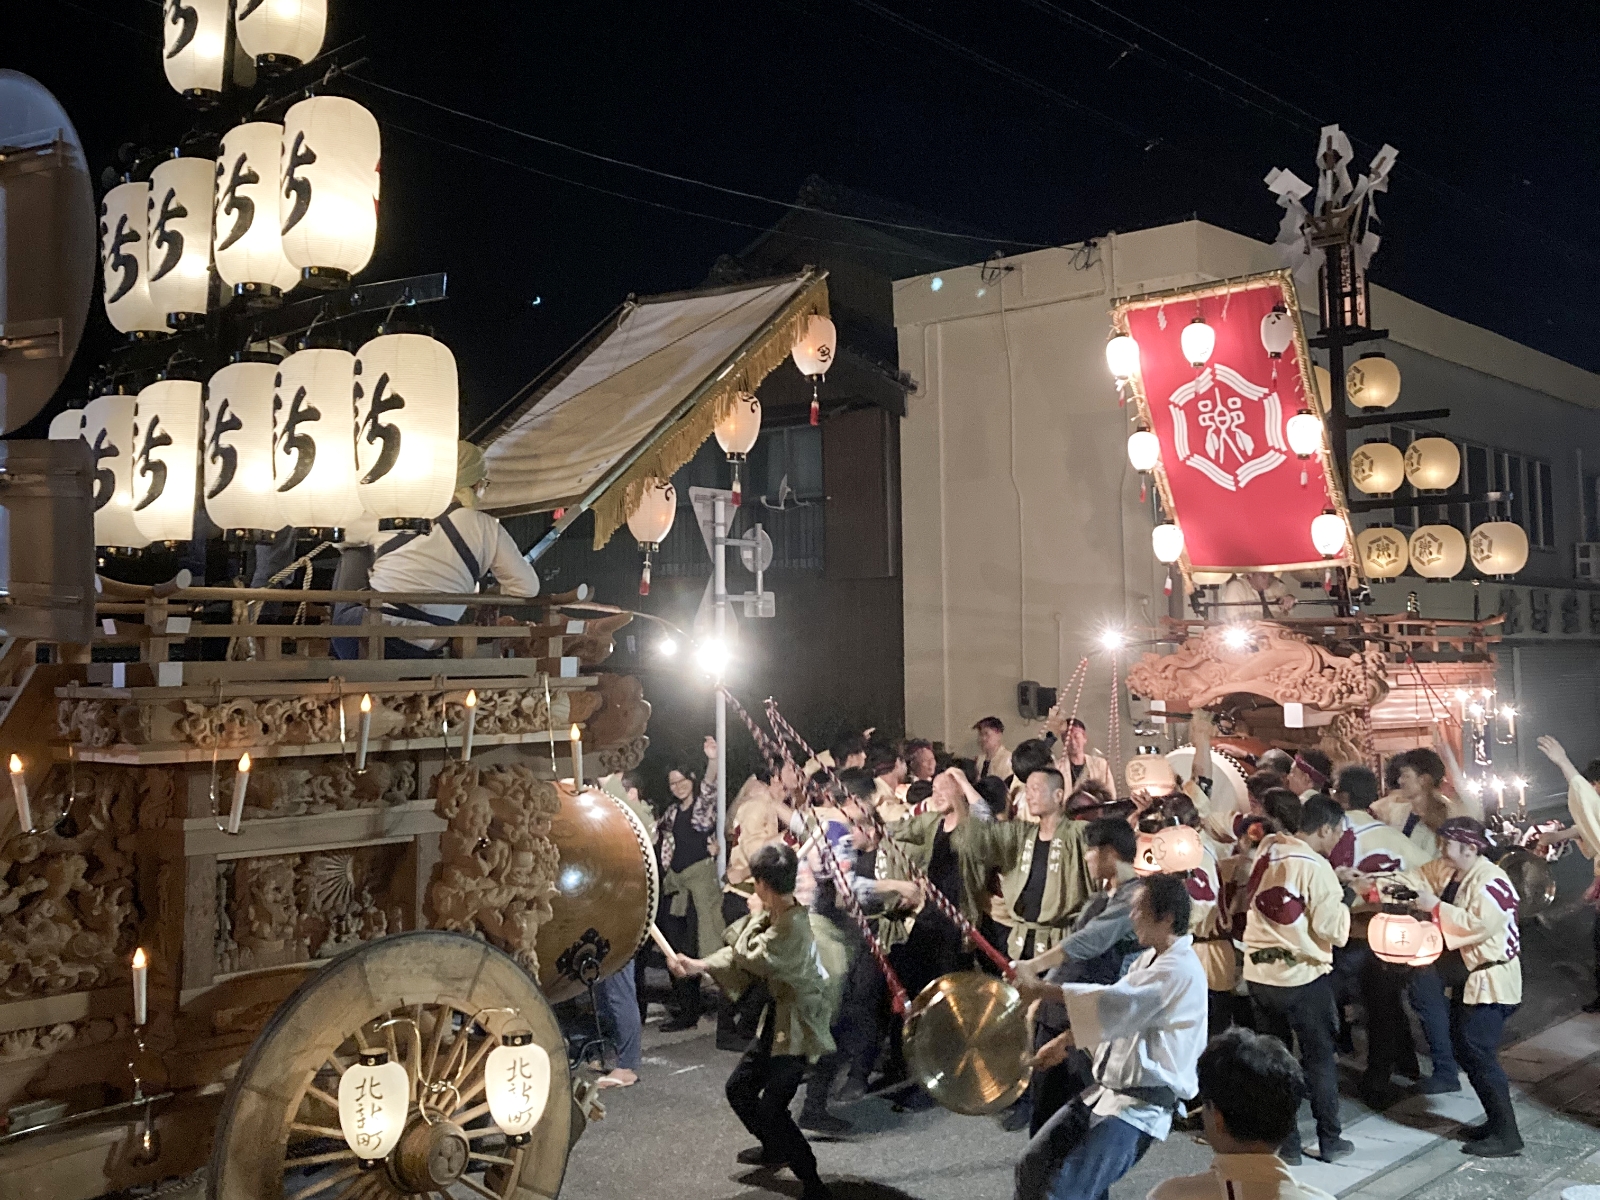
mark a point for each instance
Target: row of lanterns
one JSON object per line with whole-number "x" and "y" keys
{"x": 280, "y": 205}
{"x": 278, "y": 34}
{"x": 1498, "y": 548}
{"x": 319, "y": 440}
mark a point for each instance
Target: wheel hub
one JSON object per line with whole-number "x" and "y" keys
{"x": 429, "y": 1157}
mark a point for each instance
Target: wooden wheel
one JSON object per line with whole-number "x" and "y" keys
{"x": 429, "y": 999}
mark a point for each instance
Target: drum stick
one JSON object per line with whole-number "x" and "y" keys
{"x": 661, "y": 942}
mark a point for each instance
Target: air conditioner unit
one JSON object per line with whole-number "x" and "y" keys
{"x": 1588, "y": 561}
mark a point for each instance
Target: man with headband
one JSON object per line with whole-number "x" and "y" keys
{"x": 1475, "y": 906}
{"x": 1312, "y": 773}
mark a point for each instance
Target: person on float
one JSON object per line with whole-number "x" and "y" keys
{"x": 1073, "y": 758}
{"x": 1297, "y": 912}
{"x": 1250, "y": 1093}
{"x": 1370, "y": 847}
{"x": 1310, "y": 772}
{"x": 1583, "y": 803}
{"x": 774, "y": 946}
{"x": 993, "y": 757}
{"x": 1144, "y": 1034}
{"x": 1254, "y": 596}
{"x": 691, "y": 893}
{"x": 463, "y": 548}
{"x": 1475, "y": 905}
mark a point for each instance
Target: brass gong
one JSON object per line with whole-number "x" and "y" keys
{"x": 966, "y": 1036}
{"x": 1533, "y": 879}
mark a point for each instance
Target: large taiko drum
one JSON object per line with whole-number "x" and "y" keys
{"x": 607, "y": 889}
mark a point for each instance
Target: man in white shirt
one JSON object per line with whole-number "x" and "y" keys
{"x": 1250, "y": 1092}
{"x": 1145, "y": 1034}
{"x": 993, "y": 757}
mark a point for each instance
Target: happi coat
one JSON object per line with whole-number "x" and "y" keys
{"x": 1296, "y": 914}
{"x": 1009, "y": 846}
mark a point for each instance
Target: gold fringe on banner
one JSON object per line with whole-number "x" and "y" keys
{"x": 679, "y": 443}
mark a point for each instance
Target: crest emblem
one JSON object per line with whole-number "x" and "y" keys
{"x": 1227, "y": 428}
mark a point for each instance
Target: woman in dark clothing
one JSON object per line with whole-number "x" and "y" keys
{"x": 691, "y": 894}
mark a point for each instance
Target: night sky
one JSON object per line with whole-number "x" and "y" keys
{"x": 1040, "y": 121}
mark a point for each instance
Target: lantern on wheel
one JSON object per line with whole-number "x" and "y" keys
{"x": 813, "y": 353}
{"x": 281, "y": 34}
{"x": 517, "y": 1078}
{"x": 166, "y": 439}
{"x": 407, "y": 422}
{"x": 313, "y": 463}
{"x": 328, "y": 201}
{"x": 737, "y": 433}
{"x": 236, "y": 448}
{"x": 179, "y": 245}
{"x": 651, "y": 521}
{"x": 374, "y": 1100}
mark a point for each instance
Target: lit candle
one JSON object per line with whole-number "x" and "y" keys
{"x": 366, "y": 732}
{"x": 19, "y": 788}
{"x": 1509, "y": 716}
{"x": 577, "y": 756}
{"x": 1521, "y": 785}
{"x": 472, "y": 722}
{"x": 241, "y": 781}
{"x": 141, "y": 987}
{"x": 1499, "y": 786}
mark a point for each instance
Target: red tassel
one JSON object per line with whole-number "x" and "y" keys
{"x": 1302, "y": 476}
{"x": 816, "y": 412}
{"x": 644, "y": 579}
{"x": 738, "y": 493}
{"x": 1168, "y": 589}
{"x": 1143, "y": 490}
{"x": 558, "y": 514}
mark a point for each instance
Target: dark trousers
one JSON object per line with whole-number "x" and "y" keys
{"x": 1426, "y": 990}
{"x": 1475, "y": 1031}
{"x": 682, "y": 935}
{"x": 759, "y": 1092}
{"x": 1389, "y": 1046}
{"x": 1306, "y": 1013}
{"x": 1053, "y": 1088}
{"x": 859, "y": 1028}
{"x": 1224, "y": 1009}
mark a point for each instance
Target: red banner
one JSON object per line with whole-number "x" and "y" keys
{"x": 1227, "y": 474}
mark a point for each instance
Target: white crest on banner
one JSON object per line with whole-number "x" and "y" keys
{"x": 1222, "y": 403}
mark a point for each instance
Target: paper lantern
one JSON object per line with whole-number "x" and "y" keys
{"x": 1304, "y": 431}
{"x": 313, "y": 462}
{"x": 651, "y": 521}
{"x": 178, "y": 251}
{"x": 1328, "y": 533}
{"x": 1198, "y": 341}
{"x": 1277, "y": 331}
{"x": 1210, "y": 578}
{"x": 281, "y": 34}
{"x": 1170, "y": 851}
{"x": 737, "y": 433}
{"x": 1144, "y": 450}
{"x": 1383, "y": 552}
{"x": 1399, "y": 937}
{"x": 166, "y": 439}
{"x": 1167, "y": 542}
{"x": 1438, "y": 551}
{"x": 516, "y": 1077}
{"x": 1122, "y": 356}
{"x": 66, "y": 425}
{"x": 194, "y": 44}
{"x": 1499, "y": 548}
{"x": 124, "y": 215}
{"x": 407, "y": 414}
{"x": 236, "y": 451}
{"x": 1372, "y": 382}
{"x": 1149, "y": 771}
{"x": 328, "y": 201}
{"x": 1324, "y": 385}
{"x": 1433, "y": 464}
{"x": 249, "y": 248}
{"x": 1377, "y": 468}
{"x": 374, "y": 1098}
{"x": 108, "y": 428}
{"x": 813, "y": 353}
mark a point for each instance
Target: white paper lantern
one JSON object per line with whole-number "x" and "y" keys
{"x": 1304, "y": 431}
{"x": 194, "y": 45}
{"x": 313, "y": 459}
{"x": 282, "y": 34}
{"x": 814, "y": 349}
{"x": 1405, "y": 939}
{"x": 1433, "y": 464}
{"x": 1122, "y": 356}
{"x": 1149, "y": 771}
{"x": 328, "y": 201}
{"x": 1277, "y": 331}
{"x": 1438, "y": 551}
{"x": 1328, "y": 533}
{"x": 108, "y": 428}
{"x": 738, "y": 430}
{"x": 516, "y": 1077}
{"x": 1499, "y": 548}
{"x": 1144, "y": 450}
{"x": 407, "y": 422}
{"x": 1372, "y": 382}
{"x": 374, "y": 1099}
{"x": 166, "y": 442}
{"x": 124, "y": 215}
{"x": 179, "y": 246}
{"x": 66, "y": 425}
{"x": 1198, "y": 341}
{"x": 237, "y": 448}
{"x": 1383, "y": 551}
{"x": 1167, "y": 542}
{"x": 1377, "y": 468}
{"x": 249, "y": 248}
{"x": 651, "y": 521}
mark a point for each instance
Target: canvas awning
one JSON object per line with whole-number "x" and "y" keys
{"x": 640, "y": 396}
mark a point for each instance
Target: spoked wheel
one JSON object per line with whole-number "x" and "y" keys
{"x": 434, "y": 1002}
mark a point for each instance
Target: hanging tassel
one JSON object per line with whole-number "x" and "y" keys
{"x": 1167, "y": 591}
{"x": 738, "y": 494}
{"x": 1302, "y": 474}
{"x": 1144, "y": 490}
{"x": 816, "y": 407}
{"x": 644, "y": 576}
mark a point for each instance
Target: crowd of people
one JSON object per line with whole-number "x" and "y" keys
{"x": 1214, "y": 1000}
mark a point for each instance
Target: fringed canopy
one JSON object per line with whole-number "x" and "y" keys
{"x": 640, "y": 397}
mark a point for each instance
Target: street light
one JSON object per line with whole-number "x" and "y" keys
{"x": 667, "y": 647}
{"x": 712, "y": 656}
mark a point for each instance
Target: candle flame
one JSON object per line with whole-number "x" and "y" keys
{"x": 472, "y": 699}
{"x": 140, "y": 961}
{"x": 575, "y": 735}
{"x": 366, "y": 704}
{"x": 244, "y": 762}
{"x": 16, "y": 763}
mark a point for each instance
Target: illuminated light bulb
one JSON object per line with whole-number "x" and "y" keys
{"x": 936, "y": 283}
{"x": 1236, "y": 637}
{"x": 1113, "y": 639}
{"x": 712, "y": 655}
{"x": 517, "y": 1079}
{"x": 667, "y": 647}
{"x": 1198, "y": 341}
{"x": 1144, "y": 450}
{"x": 1122, "y": 356}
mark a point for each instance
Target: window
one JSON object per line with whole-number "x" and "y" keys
{"x": 1540, "y": 490}
{"x": 1591, "y": 507}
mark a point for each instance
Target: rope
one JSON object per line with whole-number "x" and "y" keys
{"x": 1114, "y": 724}
{"x": 1080, "y": 675}
{"x": 303, "y": 561}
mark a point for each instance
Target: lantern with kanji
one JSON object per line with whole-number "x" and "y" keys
{"x": 1171, "y": 851}
{"x": 236, "y": 450}
{"x": 328, "y": 198}
{"x": 124, "y": 217}
{"x": 313, "y": 462}
{"x": 516, "y": 1077}
{"x": 1149, "y": 771}
{"x": 1438, "y": 551}
{"x": 737, "y": 433}
{"x": 281, "y": 34}
{"x": 66, "y": 426}
{"x": 1372, "y": 382}
{"x": 1499, "y": 548}
{"x": 813, "y": 353}
{"x": 1377, "y": 468}
{"x": 1383, "y": 552}
{"x": 178, "y": 251}
{"x": 166, "y": 439}
{"x": 1433, "y": 464}
{"x": 249, "y": 248}
{"x": 374, "y": 1100}
{"x": 108, "y": 428}
{"x": 406, "y": 425}
{"x": 1398, "y": 935}
{"x": 194, "y": 46}
{"x": 651, "y": 521}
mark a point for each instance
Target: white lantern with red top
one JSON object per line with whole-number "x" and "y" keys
{"x": 651, "y": 521}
